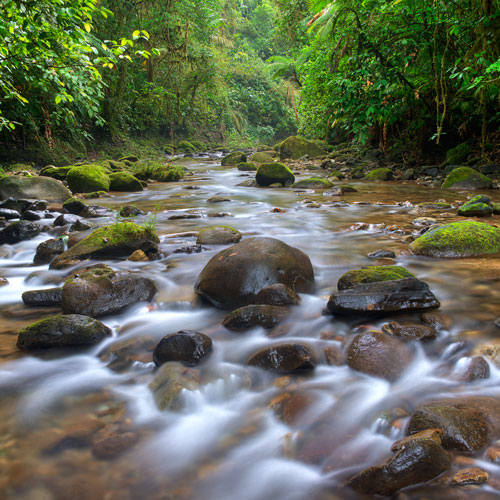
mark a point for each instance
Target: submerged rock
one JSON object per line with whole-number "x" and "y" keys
{"x": 458, "y": 239}
{"x": 234, "y": 276}
{"x": 102, "y": 291}
{"x": 62, "y": 331}
{"x": 249, "y": 316}
{"x": 284, "y": 358}
{"x": 410, "y": 331}
{"x": 33, "y": 188}
{"x": 372, "y": 274}
{"x": 118, "y": 240}
{"x": 218, "y": 235}
{"x": 408, "y": 294}
{"x": 378, "y": 354}
{"x": 466, "y": 178}
{"x": 186, "y": 346}
{"x": 272, "y": 173}
{"x": 382, "y": 254}
{"x": 419, "y": 461}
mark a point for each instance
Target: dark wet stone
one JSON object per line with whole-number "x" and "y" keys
{"x": 471, "y": 475}
{"x": 130, "y": 211}
{"x": 249, "y": 316}
{"x": 235, "y": 275}
{"x": 93, "y": 211}
{"x": 48, "y": 250}
{"x": 436, "y": 320}
{"x": 184, "y": 216}
{"x": 419, "y": 461}
{"x": 74, "y": 206}
{"x": 43, "y": 298}
{"x": 109, "y": 444}
{"x": 409, "y": 331}
{"x": 379, "y": 355}
{"x": 19, "y": 231}
{"x": 186, "y": 346}
{"x": 39, "y": 205}
{"x": 277, "y": 295}
{"x": 477, "y": 369}
{"x": 62, "y": 331}
{"x": 8, "y": 213}
{"x": 284, "y": 358}
{"x": 408, "y": 294}
{"x": 82, "y": 225}
{"x": 65, "y": 220}
{"x": 99, "y": 292}
{"x": 190, "y": 249}
{"x": 382, "y": 254}
{"x": 31, "y": 215}
{"x": 18, "y": 205}
{"x": 468, "y": 424}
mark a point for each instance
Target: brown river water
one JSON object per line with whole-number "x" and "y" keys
{"x": 244, "y": 434}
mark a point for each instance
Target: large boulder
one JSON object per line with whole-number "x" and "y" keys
{"x": 234, "y": 158}
{"x": 87, "y": 179}
{"x": 467, "y": 424}
{"x": 466, "y": 178}
{"x": 408, "y": 294}
{"x": 102, "y": 291}
{"x": 458, "y": 239}
{"x": 234, "y": 276}
{"x": 418, "y": 461}
{"x": 59, "y": 173}
{"x": 62, "y": 331}
{"x": 261, "y": 158}
{"x": 296, "y": 147}
{"x": 378, "y": 354}
{"x": 372, "y": 274}
{"x": 33, "y": 188}
{"x": 118, "y": 240}
{"x": 123, "y": 181}
{"x": 272, "y": 173}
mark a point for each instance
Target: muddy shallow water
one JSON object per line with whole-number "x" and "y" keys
{"x": 244, "y": 434}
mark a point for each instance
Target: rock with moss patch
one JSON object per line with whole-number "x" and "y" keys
{"x": 130, "y": 158}
{"x": 379, "y": 174}
{"x": 72, "y": 330}
{"x": 186, "y": 147}
{"x": 33, "y": 188}
{"x": 434, "y": 205}
{"x": 296, "y": 147}
{"x": 115, "y": 166}
{"x": 88, "y": 178}
{"x": 466, "y": 178}
{"x": 59, "y": 173}
{"x": 102, "y": 291}
{"x": 234, "y": 158}
{"x": 218, "y": 235}
{"x": 458, "y": 239}
{"x": 271, "y": 173}
{"x": 117, "y": 240}
{"x": 74, "y": 206}
{"x": 457, "y": 155}
{"x": 234, "y": 276}
{"x": 313, "y": 183}
{"x": 247, "y": 166}
{"x": 372, "y": 274}
{"x": 476, "y": 207}
{"x": 123, "y": 181}
{"x": 261, "y": 158}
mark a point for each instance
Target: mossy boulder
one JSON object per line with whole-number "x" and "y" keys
{"x": 33, "y": 188}
{"x": 74, "y": 206}
{"x": 271, "y": 173}
{"x": 123, "y": 181}
{"x": 313, "y": 183}
{"x": 261, "y": 158}
{"x": 58, "y": 173}
{"x": 296, "y": 147}
{"x": 457, "y": 155}
{"x": 186, "y": 147}
{"x": 218, "y": 235}
{"x": 246, "y": 166}
{"x": 115, "y": 166}
{"x": 458, "y": 239}
{"x": 476, "y": 207}
{"x": 117, "y": 240}
{"x": 88, "y": 178}
{"x": 130, "y": 158}
{"x": 234, "y": 158}
{"x": 466, "y": 178}
{"x": 372, "y": 274}
{"x": 71, "y": 330}
{"x": 161, "y": 172}
{"x": 379, "y": 174}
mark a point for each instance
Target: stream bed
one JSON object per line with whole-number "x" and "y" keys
{"x": 243, "y": 433}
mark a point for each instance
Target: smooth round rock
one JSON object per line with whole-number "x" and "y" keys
{"x": 277, "y": 295}
{"x": 187, "y": 346}
{"x": 284, "y": 358}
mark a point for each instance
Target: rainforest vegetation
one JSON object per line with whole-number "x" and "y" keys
{"x": 411, "y": 77}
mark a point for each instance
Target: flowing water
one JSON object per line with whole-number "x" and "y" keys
{"x": 244, "y": 434}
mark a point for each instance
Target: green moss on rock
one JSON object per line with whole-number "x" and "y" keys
{"x": 123, "y": 181}
{"x": 74, "y": 206}
{"x": 457, "y": 155}
{"x": 261, "y": 158}
{"x": 88, "y": 178}
{"x": 466, "y": 178}
{"x": 130, "y": 158}
{"x": 218, "y": 235}
{"x": 475, "y": 208}
{"x": 186, "y": 147}
{"x": 296, "y": 147}
{"x": 246, "y": 166}
{"x": 158, "y": 171}
{"x": 59, "y": 173}
{"x": 271, "y": 173}
{"x": 437, "y": 205}
{"x": 372, "y": 274}
{"x": 458, "y": 239}
{"x": 313, "y": 183}
{"x": 379, "y": 174}
{"x": 234, "y": 158}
